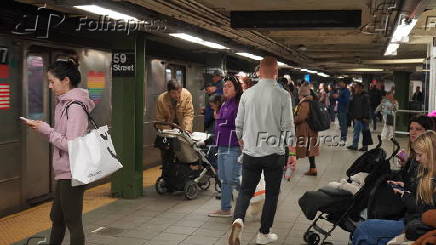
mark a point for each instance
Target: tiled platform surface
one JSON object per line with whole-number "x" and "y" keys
{"x": 170, "y": 219}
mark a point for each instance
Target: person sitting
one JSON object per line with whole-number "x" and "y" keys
{"x": 418, "y": 196}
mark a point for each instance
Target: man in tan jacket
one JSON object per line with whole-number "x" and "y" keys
{"x": 175, "y": 106}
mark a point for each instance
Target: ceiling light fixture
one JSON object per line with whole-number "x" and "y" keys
{"x": 400, "y": 35}
{"x": 251, "y": 56}
{"x": 197, "y": 40}
{"x": 392, "y": 49}
{"x": 394, "y": 61}
{"x": 362, "y": 69}
{"x": 402, "y": 31}
{"x": 106, "y": 12}
{"x": 281, "y": 63}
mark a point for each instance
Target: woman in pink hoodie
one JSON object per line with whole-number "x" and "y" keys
{"x": 70, "y": 122}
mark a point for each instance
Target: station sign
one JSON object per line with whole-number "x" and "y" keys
{"x": 3, "y": 55}
{"x": 123, "y": 63}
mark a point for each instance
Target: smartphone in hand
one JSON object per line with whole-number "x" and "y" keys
{"x": 26, "y": 120}
{"x": 402, "y": 155}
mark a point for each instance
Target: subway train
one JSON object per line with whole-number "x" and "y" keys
{"x": 26, "y": 176}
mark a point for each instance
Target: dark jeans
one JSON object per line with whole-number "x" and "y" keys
{"x": 374, "y": 119}
{"x": 67, "y": 212}
{"x": 252, "y": 167}
{"x": 343, "y": 124}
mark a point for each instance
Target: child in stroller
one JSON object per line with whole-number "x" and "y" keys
{"x": 343, "y": 207}
{"x": 184, "y": 165}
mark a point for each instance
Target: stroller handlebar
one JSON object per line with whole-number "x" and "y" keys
{"x": 172, "y": 125}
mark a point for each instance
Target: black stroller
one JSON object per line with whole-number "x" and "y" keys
{"x": 185, "y": 166}
{"x": 342, "y": 208}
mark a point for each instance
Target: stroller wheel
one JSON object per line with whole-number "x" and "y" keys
{"x": 206, "y": 184}
{"x": 313, "y": 239}
{"x": 161, "y": 187}
{"x": 306, "y": 235}
{"x": 191, "y": 190}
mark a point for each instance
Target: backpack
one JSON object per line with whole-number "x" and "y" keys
{"x": 319, "y": 118}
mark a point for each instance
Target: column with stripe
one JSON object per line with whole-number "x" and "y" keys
{"x": 5, "y": 96}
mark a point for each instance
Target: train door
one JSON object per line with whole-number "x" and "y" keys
{"x": 36, "y": 98}
{"x": 177, "y": 72}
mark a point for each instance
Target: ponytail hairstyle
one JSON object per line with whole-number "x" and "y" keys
{"x": 68, "y": 67}
{"x": 426, "y": 143}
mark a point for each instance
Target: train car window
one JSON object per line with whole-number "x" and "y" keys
{"x": 179, "y": 77}
{"x": 35, "y": 91}
{"x": 177, "y": 72}
{"x": 168, "y": 75}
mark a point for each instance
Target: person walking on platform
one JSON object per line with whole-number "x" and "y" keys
{"x": 343, "y": 99}
{"x": 307, "y": 139}
{"x": 388, "y": 108}
{"x": 263, "y": 123}
{"x": 70, "y": 122}
{"x": 359, "y": 112}
{"x": 375, "y": 97}
{"x": 175, "y": 106}
{"x": 229, "y": 169}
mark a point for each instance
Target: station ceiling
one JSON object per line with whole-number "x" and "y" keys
{"x": 330, "y": 48}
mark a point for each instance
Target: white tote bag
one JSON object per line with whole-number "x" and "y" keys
{"x": 92, "y": 157}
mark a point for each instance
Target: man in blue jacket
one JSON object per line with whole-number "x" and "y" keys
{"x": 343, "y": 98}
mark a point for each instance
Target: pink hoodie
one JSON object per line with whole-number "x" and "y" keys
{"x": 64, "y": 130}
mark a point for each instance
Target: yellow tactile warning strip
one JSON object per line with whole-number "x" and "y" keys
{"x": 16, "y": 227}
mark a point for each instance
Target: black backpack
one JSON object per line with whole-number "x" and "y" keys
{"x": 319, "y": 118}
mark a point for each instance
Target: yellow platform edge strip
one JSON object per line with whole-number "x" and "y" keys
{"x": 19, "y": 226}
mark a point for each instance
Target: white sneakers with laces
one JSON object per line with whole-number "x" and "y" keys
{"x": 266, "y": 238}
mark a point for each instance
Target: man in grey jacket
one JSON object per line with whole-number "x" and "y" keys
{"x": 264, "y": 125}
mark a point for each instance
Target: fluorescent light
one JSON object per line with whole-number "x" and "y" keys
{"x": 362, "y": 69}
{"x": 251, "y": 56}
{"x": 392, "y": 49}
{"x": 105, "y": 12}
{"x": 395, "y": 61}
{"x": 400, "y": 35}
{"x": 281, "y": 63}
{"x": 197, "y": 40}
{"x": 310, "y": 71}
{"x": 322, "y": 74}
{"x": 402, "y": 31}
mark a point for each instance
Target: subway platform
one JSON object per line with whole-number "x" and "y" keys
{"x": 171, "y": 219}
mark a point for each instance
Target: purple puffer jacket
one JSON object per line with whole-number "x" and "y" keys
{"x": 64, "y": 130}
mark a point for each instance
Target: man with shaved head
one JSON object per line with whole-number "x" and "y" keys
{"x": 264, "y": 126}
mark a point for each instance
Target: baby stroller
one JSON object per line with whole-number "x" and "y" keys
{"x": 343, "y": 208}
{"x": 184, "y": 166}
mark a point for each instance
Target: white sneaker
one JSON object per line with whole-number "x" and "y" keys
{"x": 266, "y": 238}
{"x": 235, "y": 236}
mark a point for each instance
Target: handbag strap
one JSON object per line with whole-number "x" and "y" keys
{"x": 90, "y": 119}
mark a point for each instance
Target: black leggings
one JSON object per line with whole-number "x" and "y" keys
{"x": 67, "y": 212}
{"x": 312, "y": 162}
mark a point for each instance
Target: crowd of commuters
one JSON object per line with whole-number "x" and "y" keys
{"x": 242, "y": 111}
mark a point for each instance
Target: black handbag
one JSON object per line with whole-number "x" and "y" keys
{"x": 389, "y": 119}
{"x": 367, "y": 138}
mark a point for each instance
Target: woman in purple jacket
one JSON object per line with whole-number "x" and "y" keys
{"x": 63, "y": 78}
{"x": 229, "y": 169}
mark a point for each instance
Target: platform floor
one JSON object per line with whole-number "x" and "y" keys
{"x": 170, "y": 219}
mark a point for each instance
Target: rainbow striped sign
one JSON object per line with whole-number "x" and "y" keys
{"x": 96, "y": 84}
{"x": 5, "y": 96}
